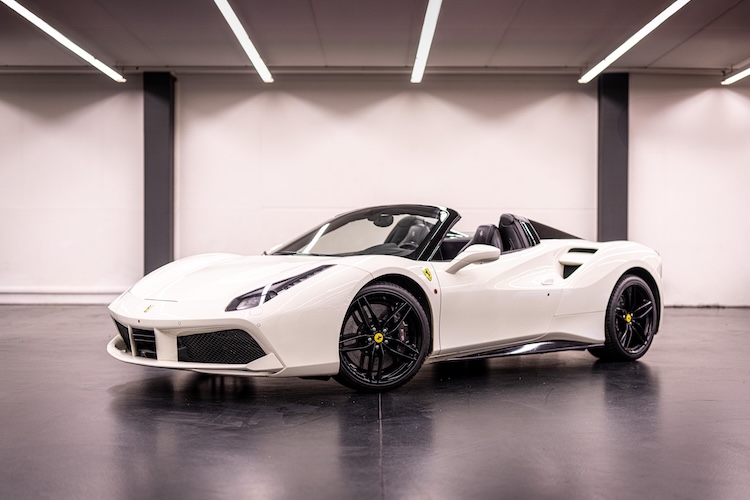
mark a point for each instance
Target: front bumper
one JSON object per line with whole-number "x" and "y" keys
{"x": 292, "y": 340}
{"x": 266, "y": 365}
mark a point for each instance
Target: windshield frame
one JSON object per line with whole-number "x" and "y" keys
{"x": 446, "y": 218}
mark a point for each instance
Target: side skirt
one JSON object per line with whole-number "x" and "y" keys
{"x": 533, "y": 348}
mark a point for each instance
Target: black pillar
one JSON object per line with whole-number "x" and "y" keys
{"x": 158, "y": 146}
{"x": 612, "y": 213}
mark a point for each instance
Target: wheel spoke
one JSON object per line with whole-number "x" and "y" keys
{"x": 371, "y": 364}
{"x": 367, "y": 319}
{"x": 643, "y": 310}
{"x": 379, "y": 375}
{"x": 626, "y": 336}
{"x": 405, "y": 345}
{"x": 373, "y": 323}
{"x": 395, "y": 313}
{"x": 640, "y": 332}
{"x": 356, "y": 337}
{"x": 359, "y": 322}
{"x": 400, "y": 354}
{"x": 354, "y": 348}
{"x": 402, "y": 319}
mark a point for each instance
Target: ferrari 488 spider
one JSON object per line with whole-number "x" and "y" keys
{"x": 371, "y": 295}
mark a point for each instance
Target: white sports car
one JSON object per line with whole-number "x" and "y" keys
{"x": 371, "y": 295}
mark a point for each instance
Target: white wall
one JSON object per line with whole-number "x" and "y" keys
{"x": 71, "y": 187}
{"x": 258, "y": 164}
{"x": 690, "y": 185}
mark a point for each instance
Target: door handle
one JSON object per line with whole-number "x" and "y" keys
{"x": 548, "y": 281}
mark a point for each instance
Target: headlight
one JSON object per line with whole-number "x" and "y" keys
{"x": 260, "y": 296}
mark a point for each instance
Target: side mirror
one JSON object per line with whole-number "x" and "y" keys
{"x": 473, "y": 255}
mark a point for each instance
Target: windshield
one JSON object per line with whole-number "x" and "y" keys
{"x": 411, "y": 231}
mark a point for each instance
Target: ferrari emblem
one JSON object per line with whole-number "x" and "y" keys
{"x": 148, "y": 308}
{"x": 427, "y": 274}
{"x": 628, "y": 318}
{"x": 378, "y": 337}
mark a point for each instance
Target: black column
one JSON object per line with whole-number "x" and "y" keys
{"x": 612, "y": 213}
{"x": 158, "y": 146}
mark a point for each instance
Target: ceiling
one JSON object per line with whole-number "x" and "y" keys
{"x": 318, "y": 36}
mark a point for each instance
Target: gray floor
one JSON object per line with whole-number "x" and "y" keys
{"x": 77, "y": 424}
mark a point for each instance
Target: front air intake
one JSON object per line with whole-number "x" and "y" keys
{"x": 225, "y": 347}
{"x": 145, "y": 343}
{"x": 124, "y": 334}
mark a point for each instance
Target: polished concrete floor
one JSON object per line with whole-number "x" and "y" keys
{"x": 75, "y": 423}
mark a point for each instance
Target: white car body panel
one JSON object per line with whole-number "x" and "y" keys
{"x": 517, "y": 299}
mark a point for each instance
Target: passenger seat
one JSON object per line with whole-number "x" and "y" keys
{"x": 485, "y": 235}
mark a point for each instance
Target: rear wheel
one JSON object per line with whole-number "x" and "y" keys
{"x": 630, "y": 321}
{"x": 384, "y": 339}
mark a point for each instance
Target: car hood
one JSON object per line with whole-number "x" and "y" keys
{"x": 221, "y": 276}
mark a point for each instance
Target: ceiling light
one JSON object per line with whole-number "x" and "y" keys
{"x": 425, "y": 40}
{"x": 640, "y": 35}
{"x": 736, "y": 77}
{"x": 244, "y": 39}
{"x": 63, "y": 40}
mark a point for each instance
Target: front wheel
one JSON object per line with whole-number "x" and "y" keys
{"x": 384, "y": 339}
{"x": 630, "y": 322}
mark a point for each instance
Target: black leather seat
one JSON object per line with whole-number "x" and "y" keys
{"x": 485, "y": 235}
{"x": 417, "y": 232}
{"x": 517, "y": 233}
{"x": 401, "y": 230}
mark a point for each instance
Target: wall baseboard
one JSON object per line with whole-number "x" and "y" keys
{"x": 57, "y": 297}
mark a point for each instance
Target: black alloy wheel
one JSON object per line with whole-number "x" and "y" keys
{"x": 630, "y": 323}
{"x": 384, "y": 339}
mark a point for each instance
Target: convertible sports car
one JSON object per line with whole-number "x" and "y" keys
{"x": 371, "y": 295}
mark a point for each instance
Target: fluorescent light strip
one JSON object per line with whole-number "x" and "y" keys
{"x": 630, "y": 43}
{"x": 244, "y": 39}
{"x": 737, "y": 77}
{"x": 425, "y": 40}
{"x": 63, "y": 40}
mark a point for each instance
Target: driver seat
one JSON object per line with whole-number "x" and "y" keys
{"x": 416, "y": 234}
{"x": 401, "y": 230}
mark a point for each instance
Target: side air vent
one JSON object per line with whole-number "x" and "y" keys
{"x": 575, "y": 258}
{"x": 568, "y": 270}
{"x": 582, "y": 250}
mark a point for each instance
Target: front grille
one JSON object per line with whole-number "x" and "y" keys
{"x": 145, "y": 343}
{"x": 226, "y": 347}
{"x": 124, "y": 334}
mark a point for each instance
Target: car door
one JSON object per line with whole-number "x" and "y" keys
{"x": 502, "y": 302}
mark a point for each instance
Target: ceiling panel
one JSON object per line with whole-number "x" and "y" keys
{"x": 284, "y": 31}
{"x": 469, "y": 31}
{"x": 720, "y": 43}
{"x": 549, "y": 33}
{"x": 317, "y": 34}
{"x": 369, "y": 33}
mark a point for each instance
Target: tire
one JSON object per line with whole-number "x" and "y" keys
{"x": 630, "y": 321}
{"x": 384, "y": 339}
